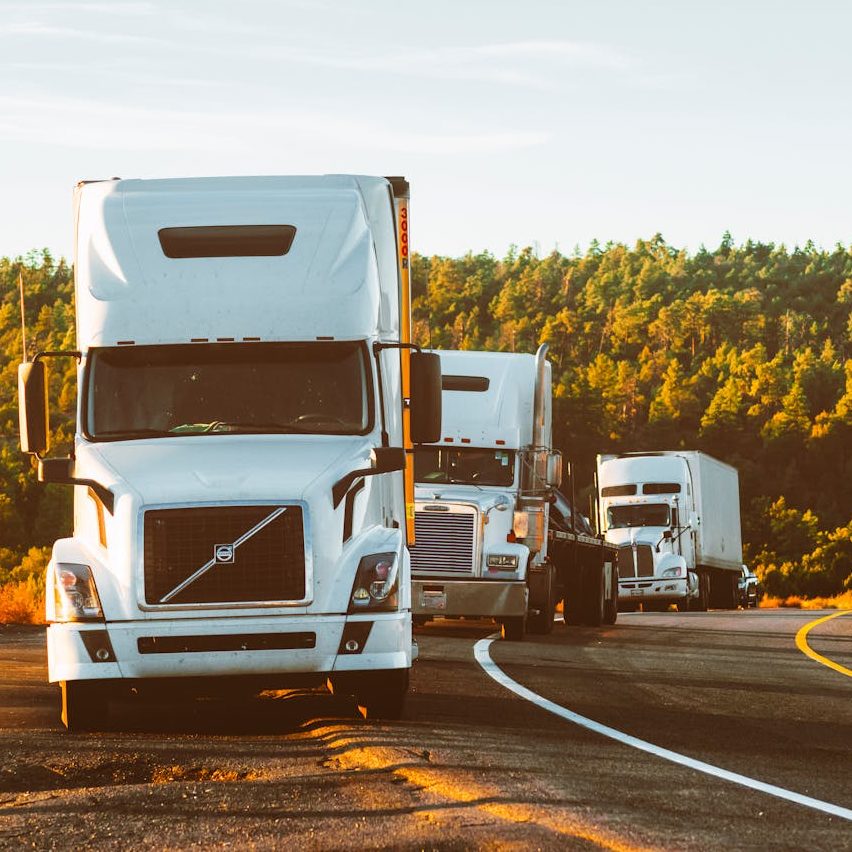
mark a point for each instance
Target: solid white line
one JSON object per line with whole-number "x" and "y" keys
{"x": 480, "y": 651}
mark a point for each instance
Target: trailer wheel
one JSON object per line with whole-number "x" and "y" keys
{"x": 723, "y": 590}
{"x": 513, "y": 628}
{"x": 594, "y": 595}
{"x": 84, "y": 705}
{"x": 381, "y": 695}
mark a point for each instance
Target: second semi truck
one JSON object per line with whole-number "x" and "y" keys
{"x": 486, "y": 543}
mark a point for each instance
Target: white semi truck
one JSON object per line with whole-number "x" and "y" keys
{"x": 675, "y": 518}
{"x": 487, "y": 544}
{"x": 243, "y": 417}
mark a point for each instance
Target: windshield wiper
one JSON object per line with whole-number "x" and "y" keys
{"x": 235, "y": 427}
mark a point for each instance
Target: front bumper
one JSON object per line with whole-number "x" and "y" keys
{"x": 472, "y": 598}
{"x": 151, "y": 649}
{"x": 668, "y": 589}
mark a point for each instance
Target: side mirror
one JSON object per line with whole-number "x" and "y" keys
{"x": 425, "y": 397}
{"x": 388, "y": 459}
{"x": 553, "y": 476}
{"x": 32, "y": 407}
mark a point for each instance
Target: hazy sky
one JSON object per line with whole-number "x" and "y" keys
{"x": 538, "y": 122}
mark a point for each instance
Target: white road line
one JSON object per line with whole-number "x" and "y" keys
{"x": 480, "y": 652}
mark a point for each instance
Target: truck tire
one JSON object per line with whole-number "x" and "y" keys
{"x": 381, "y": 695}
{"x": 611, "y": 605}
{"x": 699, "y": 603}
{"x": 84, "y": 705}
{"x": 513, "y": 628}
{"x": 594, "y": 596}
{"x": 541, "y": 622}
{"x": 723, "y": 590}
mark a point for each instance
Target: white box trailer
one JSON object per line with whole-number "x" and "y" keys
{"x": 675, "y": 518}
{"x": 243, "y": 420}
{"x": 716, "y": 496}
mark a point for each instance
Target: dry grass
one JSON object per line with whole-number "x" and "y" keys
{"x": 841, "y": 601}
{"x": 21, "y": 602}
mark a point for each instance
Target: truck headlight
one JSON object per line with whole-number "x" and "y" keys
{"x": 672, "y": 572}
{"x": 503, "y": 561}
{"x": 74, "y": 593}
{"x": 375, "y": 586}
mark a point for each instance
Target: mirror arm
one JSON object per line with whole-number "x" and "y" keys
{"x": 105, "y": 495}
{"x": 339, "y": 489}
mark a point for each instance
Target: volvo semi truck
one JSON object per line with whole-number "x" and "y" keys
{"x": 486, "y": 545}
{"x": 248, "y": 400}
{"x": 675, "y": 518}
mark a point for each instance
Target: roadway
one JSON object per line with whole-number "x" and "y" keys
{"x": 719, "y": 732}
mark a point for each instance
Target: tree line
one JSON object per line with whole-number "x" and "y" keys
{"x": 742, "y": 351}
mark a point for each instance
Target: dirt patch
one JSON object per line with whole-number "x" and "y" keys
{"x": 23, "y": 777}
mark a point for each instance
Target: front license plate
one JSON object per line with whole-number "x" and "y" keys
{"x": 433, "y": 600}
{"x": 636, "y": 591}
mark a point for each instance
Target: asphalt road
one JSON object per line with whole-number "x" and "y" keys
{"x": 472, "y": 764}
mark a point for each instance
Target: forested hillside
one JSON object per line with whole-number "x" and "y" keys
{"x": 743, "y": 352}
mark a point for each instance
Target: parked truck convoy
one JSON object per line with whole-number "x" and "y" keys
{"x": 246, "y": 399}
{"x": 675, "y": 518}
{"x": 488, "y": 542}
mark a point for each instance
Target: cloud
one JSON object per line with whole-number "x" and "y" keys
{"x": 35, "y": 29}
{"x": 98, "y": 125}
{"x": 116, "y": 8}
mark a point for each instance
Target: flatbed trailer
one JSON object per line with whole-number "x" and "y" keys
{"x": 581, "y": 572}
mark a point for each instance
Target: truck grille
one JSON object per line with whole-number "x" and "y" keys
{"x": 642, "y": 566}
{"x": 444, "y": 543}
{"x": 236, "y": 554}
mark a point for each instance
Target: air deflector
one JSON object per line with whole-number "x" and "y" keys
{"x": 227, "y": 240}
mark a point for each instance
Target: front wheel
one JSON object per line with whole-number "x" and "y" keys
{"x": 381, "y": 695}
{"x": 84, "y": 705}
{"x": 513, "y": 628}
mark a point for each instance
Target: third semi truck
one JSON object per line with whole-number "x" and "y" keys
{"x": 675, "y": 518}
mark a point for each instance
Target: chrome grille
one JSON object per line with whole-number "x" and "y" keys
{"x": 445, "y": 543}
{"x": 261, "y": 555}
{"x": 644, "y": 560}
{"x": 626, "y": 565}
{"x": 635, "y": 562}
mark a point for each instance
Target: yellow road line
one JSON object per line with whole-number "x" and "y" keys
{"x": 802, "y": 643}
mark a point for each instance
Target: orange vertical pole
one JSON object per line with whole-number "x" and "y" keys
{"x": 402, "y": 195}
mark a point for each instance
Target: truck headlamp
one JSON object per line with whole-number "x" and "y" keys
{"x": 672, "y": 572}
{"x": 375, "y": 586}
{"x": 503, "y": 561}
{"x": 74, "y": 593}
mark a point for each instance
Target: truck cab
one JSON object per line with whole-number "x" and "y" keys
{"x": 239, "y": 506}
{"x": 674, "y": 517}
{"x": 483, "y": 490}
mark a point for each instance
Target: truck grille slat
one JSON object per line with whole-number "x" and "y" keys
{"x": 642, "y": 566}
{"x": 268, "y": 565}
{"x": 445, "y": 543}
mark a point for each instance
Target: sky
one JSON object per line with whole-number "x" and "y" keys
{"x": 539, "y": 123}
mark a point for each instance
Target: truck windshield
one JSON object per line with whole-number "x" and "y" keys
{"x": 469, "y": 466}
{"x": 638, "y": 515}
{"x": 192, "y": 389}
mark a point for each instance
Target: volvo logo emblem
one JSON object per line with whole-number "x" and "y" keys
{"x": 223, "y": 552}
